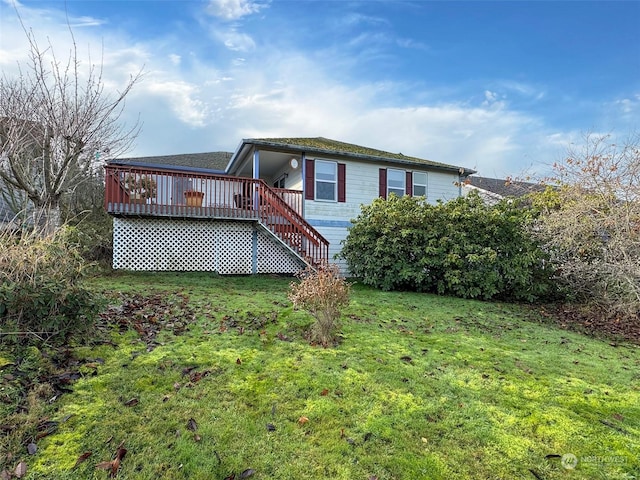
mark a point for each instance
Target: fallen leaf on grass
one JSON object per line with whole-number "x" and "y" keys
{"x": 114, "y": 465}
{"x": 247, "y": 473}
{"x": 230, "y": 477}
{"x": 192, "y": 425}
{"x": 271, "y": 427}
{"x": 45, "y": 428}
{"x": 324, "y": 392}
{"x": 21, "y": 470}
{"x": 238, "y": 361}
{"x": 195, "y": 377}
{"x": 32, "y": 448}
{"x": 82, "y": 458}
{"x": 303, "y": 420}
{"x": 104, "y": 465}
{"x": 5, "y": 475}
{"x": 132, "y": 402}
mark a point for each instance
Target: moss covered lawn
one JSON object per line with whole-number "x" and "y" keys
{"x": 213, "y": 378}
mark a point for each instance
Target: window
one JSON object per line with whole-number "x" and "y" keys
{"x": 419, "y": 184}
{"x": 396, "y": 182}
{"x": 326, "y": 180}
{"x": 279, "y": 183}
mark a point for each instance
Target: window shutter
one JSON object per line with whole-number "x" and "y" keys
{"x": 309, "y": 181}
{"x": 409, "y": 184}
{"x": 342, "y": 187}
{"x": 383, "y": 183}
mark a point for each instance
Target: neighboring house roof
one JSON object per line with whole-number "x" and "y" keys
{"x": 210, "y": 160}
{"x": 326, "y": 146}
{"x": 499, "y": 188}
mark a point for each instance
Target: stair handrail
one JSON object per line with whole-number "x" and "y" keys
{"x": 301, "y": 225}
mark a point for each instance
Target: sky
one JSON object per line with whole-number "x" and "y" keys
{"x": 502, "y": 87}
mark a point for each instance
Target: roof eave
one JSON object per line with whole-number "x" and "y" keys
{"x": 462, "y": 171}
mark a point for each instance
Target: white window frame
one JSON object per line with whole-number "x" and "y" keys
{"x": 324, "y": 181}
{"x": 403, "y": 176}
{"x": 418, "y": 184}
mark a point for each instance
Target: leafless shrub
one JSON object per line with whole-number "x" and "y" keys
{"x": 322, "y": 293}
{"x": 591, "y": 223}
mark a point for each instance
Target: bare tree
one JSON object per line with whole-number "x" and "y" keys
{"x": 592, "y": 222}
{"x": 56, "y": 119}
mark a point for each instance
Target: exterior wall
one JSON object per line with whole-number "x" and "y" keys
{"x": 332, "y": 219}
{"x": 161, "y": 244}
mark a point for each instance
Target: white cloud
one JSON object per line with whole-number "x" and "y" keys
{"x": 182, "y": 98}
{"x": 236, "y": 41}
{"x": 193, "y": 106}
{"x": 79, "y": 22}
{"x": 233, "y": 9}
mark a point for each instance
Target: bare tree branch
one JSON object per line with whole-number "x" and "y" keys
{"x": 55, "y": 120}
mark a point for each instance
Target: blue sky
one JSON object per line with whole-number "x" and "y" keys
{"x": 501, "y": 87}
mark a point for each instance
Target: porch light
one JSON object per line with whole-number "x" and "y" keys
{"x": 294, "y": 163}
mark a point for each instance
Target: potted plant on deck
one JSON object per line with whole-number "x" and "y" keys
{"x": 140, "y": 187}
{"x": 193, "y": 198}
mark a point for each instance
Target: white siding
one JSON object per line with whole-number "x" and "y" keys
{"x": 362, "y": 188}
{"x": 332, "y": 219}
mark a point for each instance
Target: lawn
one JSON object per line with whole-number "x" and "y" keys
{"x": 205, "y": 377}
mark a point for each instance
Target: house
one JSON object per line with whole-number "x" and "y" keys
{"x": 492, "y": 190}
{"x": 277, "y": 205}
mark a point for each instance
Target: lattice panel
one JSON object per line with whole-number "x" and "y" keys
{"x": 188, "y": 245}
{"x": 234, "y": 242}
{"x": 274, "y": 258}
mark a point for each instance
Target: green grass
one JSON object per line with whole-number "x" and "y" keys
{"x": 419, "y": 387}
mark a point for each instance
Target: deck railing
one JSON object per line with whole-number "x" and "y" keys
{"x": 131, "y": 190}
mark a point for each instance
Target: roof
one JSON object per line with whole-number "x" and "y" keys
{"x": 505, "y": 187}
{"x": 326, "y": 146}
{"x": 210, "y": 160}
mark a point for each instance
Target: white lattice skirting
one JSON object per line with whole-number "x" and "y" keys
{"x": 225, "y": 247}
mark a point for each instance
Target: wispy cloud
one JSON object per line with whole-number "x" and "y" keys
{"x": 234, "y": 40}
{"x": 81, "y": 22}
{"x": 233, "y": 9}
{"x": 192, "y": 100}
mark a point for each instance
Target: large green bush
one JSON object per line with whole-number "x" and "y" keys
{"x": 463, "y": 248}
{"x": 42, "y": 298}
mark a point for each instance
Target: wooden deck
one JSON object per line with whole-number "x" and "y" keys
{"x": 169, "y": 193}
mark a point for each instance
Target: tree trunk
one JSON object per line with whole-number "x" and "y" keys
{"x": 47, "y": 219}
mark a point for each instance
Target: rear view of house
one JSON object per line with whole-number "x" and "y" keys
{"x": 275, "y": 206}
